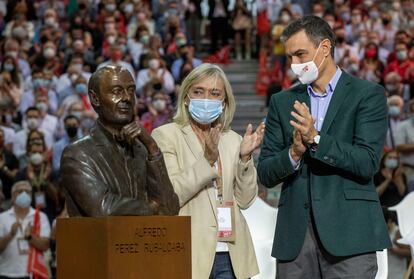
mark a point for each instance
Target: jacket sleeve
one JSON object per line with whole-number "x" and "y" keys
{"x": 245, "y": 190}
{"x": 361, "y": 157}
{"x": 274, "y": 164}
{"x": 86, "y": 192}
{"x": 159, "y": 187}
{"x": 188, "y": 182}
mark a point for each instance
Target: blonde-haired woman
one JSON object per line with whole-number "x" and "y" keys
{"x": 212, "y": 172}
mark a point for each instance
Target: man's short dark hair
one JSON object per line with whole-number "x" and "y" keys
{"x": 316, "y": 29}
{"x": 70, "y": 116}
{"x": 32, "y": 109}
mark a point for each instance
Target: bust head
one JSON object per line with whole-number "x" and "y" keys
{"x": 111, "y": 90}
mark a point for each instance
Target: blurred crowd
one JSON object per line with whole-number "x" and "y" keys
{"x": 49, "y": 48}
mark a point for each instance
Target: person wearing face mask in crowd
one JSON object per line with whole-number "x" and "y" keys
{"x": 277, "y": 47}
{"x": 77, "y": 109}
{"x": 361, "y": 43}
{"x": 186, "y": 56}
{"x": 109, "y": 39}
{"x": 48, "y": 122}
{"x": 173, "y": 47}
{"x": 116, "y": 56}
{"x": 324, "y": 140}
{"x": 371, "y": 67}
{"x": 397, "y": 16}
{"x": 318, "y": 9}
{"x": 7, "y": 127}
{"x": 79, "y": 51}
{"x": 211, "y": 168}
{"x": 404, "y": 140}
{"x": 353, "y": 29}
{"x": 128, "y": 10}
{"x": 33, "y": 137}
{"x": 46, "y": 57}
{"x": 50, "y": 21}
{"x": 353, "y": 66}
{"x": 342, "y": 12}
{"x": 387, "y": 32}
{"x": 79, "y": 93}
{"x": 40, "y": 85}
{"x": 44, "y": 6}
{"x": 144, "y": 100}
{"x": 403, "y": 36}
{"x": 86, "y": 118}
{"x": 66, "y": 80}
{"x": 32, "y": 122}
{"x": 185, "y": 69}
{"x": 82, "y": 28}
{"x": 51, "y": 18}
{"x": 331, "y": 20}
{"x": 373, "y": 22}
{"x": 141, "y": 18}
{"x": 16, "y": 234}
{"x": 72, "y": 124}
{"x": 403, "y": 62}
{"x": 156, "y": 70}
{"x": 394, "y": 86}
{"x": 9, "y": 64}
{"x": 12, "y": 80}
{"x": 382, "y": 53}
{"x": 390, "y": 181}
{"x": 19, "y": 28}
{"x": 171, "y": 27}
{"x": 39, "y": 173}
{"x": 9, "y": 166}
{"x": 154, "y": 47}
{"x": 110, "y": 18}
{"x": 138, "y": 45}
{"x": 12, "y": 48}
{"x": 159, "y": 112}
{"x": 396, "y": 113}
{"x": 343, "y": 50}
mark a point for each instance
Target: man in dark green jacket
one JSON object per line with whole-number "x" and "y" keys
{"x": 323, "y": 140}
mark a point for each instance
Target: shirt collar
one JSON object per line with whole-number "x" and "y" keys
{"x": 330, "y": 88}
{"x": 12, "y": 213}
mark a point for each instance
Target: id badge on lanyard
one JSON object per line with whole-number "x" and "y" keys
{"x": 225, "y": 212}
{"x": 40, "y": 199}
{"x": 225, "y": 220}
{"x": 23, "y": 245}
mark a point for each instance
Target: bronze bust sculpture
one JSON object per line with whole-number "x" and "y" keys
{"x": 117, "y": 169}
